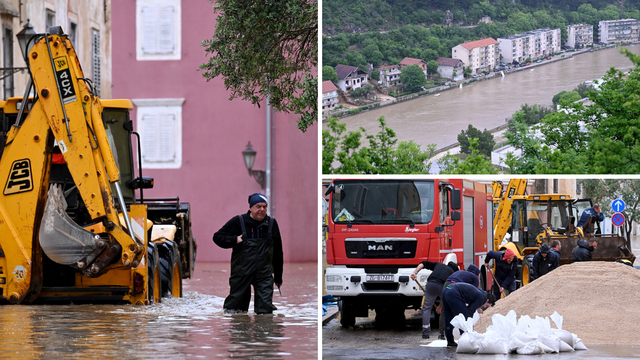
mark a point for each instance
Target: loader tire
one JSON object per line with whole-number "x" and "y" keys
{"x": 154, "y": 277}
{"x": 526, "y": 271}
{"x": 170, "y": 269}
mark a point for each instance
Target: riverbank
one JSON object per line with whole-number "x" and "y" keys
{"x": 437, "y": 90}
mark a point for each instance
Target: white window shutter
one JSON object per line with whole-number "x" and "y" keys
{"x": 150, "y": 151}
{"x": 166, "y": 29}
{"x": 167, "y": 134}
{"x": 150, "y": 32}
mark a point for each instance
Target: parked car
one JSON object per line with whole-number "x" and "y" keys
{"x": 502, "y": 68}
{"x": 528, "y": 64}
{"x": 539, "y": 61}
{"x": 549, "y": 58}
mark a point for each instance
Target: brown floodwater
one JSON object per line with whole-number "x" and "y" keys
{"x": 193, "y": 326}
{"x": 487, "y": 104}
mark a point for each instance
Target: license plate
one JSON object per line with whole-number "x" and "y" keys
{"x": 379, "y": 277}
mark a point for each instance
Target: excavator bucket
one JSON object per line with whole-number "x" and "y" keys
{"x": 64, "y": 241}
{"x": 610, "y": 248}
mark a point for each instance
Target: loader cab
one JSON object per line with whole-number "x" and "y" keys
{"x": 533, "y": 214}
{"x": 115, "y": 114}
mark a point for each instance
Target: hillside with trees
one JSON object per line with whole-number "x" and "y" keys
{"x": 357, "y": 32}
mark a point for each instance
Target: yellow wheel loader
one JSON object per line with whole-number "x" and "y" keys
{"x": 72, "y": 228}
{"x": 523, "y": 223}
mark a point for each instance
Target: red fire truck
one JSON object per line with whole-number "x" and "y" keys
{"x": 379, "y": 230}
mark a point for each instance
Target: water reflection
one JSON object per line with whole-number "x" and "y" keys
{"x": 192, "y": 326}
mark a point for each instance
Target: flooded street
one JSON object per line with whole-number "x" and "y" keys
{"x": 486, "y": 104}
{"x": 190, "y": 327}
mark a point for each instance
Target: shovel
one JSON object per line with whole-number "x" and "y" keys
{"x": 494, "y": 282}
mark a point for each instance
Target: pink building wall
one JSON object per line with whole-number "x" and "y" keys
{"x": 215, "y": 131}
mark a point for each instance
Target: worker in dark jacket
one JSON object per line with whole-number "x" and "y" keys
{"x": 583, "y": 251}
{"x": 544, "y": 261}
{"x": 462, "y": 298}
{"x": 506, "y": 269}
{"x": 593, "y": 211}
{"x": 256, "y": 258}
{"x": 470, "y": 277}
{"x": 433, "y": 289}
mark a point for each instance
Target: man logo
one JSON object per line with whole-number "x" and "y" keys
{"x": 381, "y": 247}
{"x": 19, "y": 178}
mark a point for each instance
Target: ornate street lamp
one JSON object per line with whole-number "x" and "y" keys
{"x": 249, "y": 156}
{"x": 23, "y": 38}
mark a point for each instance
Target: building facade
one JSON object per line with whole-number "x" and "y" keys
{"x": 579, "y": 35}
{"x": 411, "y": 61}
{"x": 531, "y": 44}
{"x": 618, "y": 31}
{"x": 389, "y": 75}
{"x": 350, "y": 77}
{"x": 450, "y": 68}
{"x": 87, "y": 22}
{"x": 329, "y": 96}
{"x": 193, "y": 136}
{"x": 480, "y": 55}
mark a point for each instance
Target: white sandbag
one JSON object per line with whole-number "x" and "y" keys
{"x": 493, "y": 345}
{"x": 514, "y": 343}
{"x": 468, "y": 344}
{"x": 502, "y": 325}
{"x": 557, "y": 319}
{"x": 552, "y": 342}
{"x": 565, "y": 336}
{"x": 525, "y": 338}
{"x": 530, "y": 348}
{"x": 564, "y": 347}
{"x": 578, "y": 345}
{"x": 545, "y": 348}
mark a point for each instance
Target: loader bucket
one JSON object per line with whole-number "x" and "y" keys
{"x": 64, "y": 241}
{"x": 610, "y": 248}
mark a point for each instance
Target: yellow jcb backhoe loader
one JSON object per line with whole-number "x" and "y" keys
{"x": 71, "y": 228}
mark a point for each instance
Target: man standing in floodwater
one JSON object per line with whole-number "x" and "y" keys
{"x": 256, "y": 260}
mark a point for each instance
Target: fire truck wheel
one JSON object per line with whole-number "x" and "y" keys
{"x": 347, "y": 319}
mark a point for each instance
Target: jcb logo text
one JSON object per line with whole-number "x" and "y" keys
{"x": 19, "y": 178}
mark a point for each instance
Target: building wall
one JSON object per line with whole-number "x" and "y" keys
{"x": 87, "y": 14}
{"x": 579, "y": 35}
{"x": 329, "y": 100}
{"x": 212, "y": 175}
{"x": 618, "y": 31}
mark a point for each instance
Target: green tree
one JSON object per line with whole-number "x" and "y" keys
{"x": 432, "y": 67}
{"x": 485, "y": 140}
{"x": 474, "y": 164}
{"x": 344, "y": 152}
{"x": 412, "y": 77}
{"x": 565, "y": 98}
{"x": 329, "y": 74}
{"x": 375, "y": 74}
{"x": 267, "y": 49}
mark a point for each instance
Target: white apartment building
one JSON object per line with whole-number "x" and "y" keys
{"x": 480, "y": 55}
{"x": 389, "y": 75}
{"x": 618, "y": 31}
{"x": 531, "y": 44}
{"x": 579, "y": 35}
{"x": 329, "y": 96}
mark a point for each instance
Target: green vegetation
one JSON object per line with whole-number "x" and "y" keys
{"x": 267, "y": 49}
{"x": 412, "y": 78}
{"x": 386, "y": 31}
{"x": 345, "y": 153}
{"x": 601, "y": 138}
{"x": 475, "y": 164}
{"x": 484, "y": 140}
{"x": 329, "y": 73}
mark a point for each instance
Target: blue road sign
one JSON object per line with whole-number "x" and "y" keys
{"x": 618, "y": 205}
{"x": 617, "y": 219}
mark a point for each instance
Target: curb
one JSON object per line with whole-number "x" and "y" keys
{"x": 332, "y": 313}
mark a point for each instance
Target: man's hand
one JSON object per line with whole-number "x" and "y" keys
{"x": 501, "y": 289}
{"x": 479, "y": 310}
{"x": 239, "y": 239}
{"x": 413, "y": 276}
{"x": 439, "y": 308}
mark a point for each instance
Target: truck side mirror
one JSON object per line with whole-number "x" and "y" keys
{"x": 455, "y": 200}
{"x": 455, "y": 215}
{"x": 140, "y": 183}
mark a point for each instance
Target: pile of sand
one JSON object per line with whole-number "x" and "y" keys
{"x": 600, "y": 301}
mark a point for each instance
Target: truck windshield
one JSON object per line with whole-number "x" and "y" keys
{"x": 383, "y": 201}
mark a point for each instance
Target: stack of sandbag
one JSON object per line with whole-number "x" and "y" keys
{"x": 525, "y": 336}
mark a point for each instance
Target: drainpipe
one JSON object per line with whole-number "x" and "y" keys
{"x": 268, "y": 167}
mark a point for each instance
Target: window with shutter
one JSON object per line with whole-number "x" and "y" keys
{"x": 160, "y": 128}
{"x": 95, "y": 60}
{"x": 158, "y": 29}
